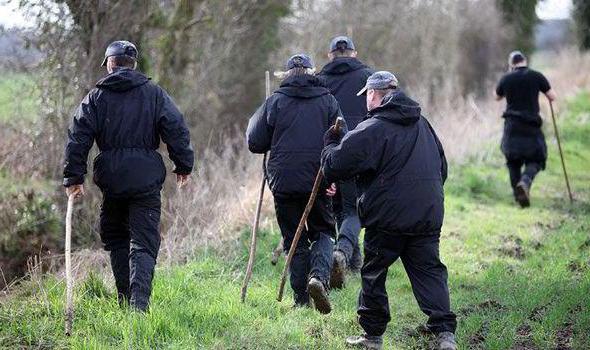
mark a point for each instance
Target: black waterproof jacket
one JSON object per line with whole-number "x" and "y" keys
{"x": 400, "y": 167}
{"x": 291, "y": 124}
{"x": 345, "y": 77}
{"x": 127, "y": 115}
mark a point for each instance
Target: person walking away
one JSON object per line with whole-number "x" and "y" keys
{"x": 290, "y": 124}
{"x": 345, "y": 75}
{"x": 127, "y": 115}
{"x": 523, "y": 142}
{"x": 401, "y": 168}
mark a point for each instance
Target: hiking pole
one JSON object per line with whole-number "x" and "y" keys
{"x": 258, "y": 210}
{"x": 567, "y": 182}
{"x": 302, "y": 223}
{"x": 68, "y": 253}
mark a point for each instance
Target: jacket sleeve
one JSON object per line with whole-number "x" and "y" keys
{"x": 81, "y": 135}
{"x": 259, "y": 132}
{"x": 176, "y": 136}
{"x": 358, "y": 152}
{"x": 443, "y": 159}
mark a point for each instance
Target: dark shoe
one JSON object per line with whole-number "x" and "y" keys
{"x": 445, "y": 341}
{"x": 318, "y": 293}
{"x": 521, "y": 194}
{"x": 356, "y": 261}
{"x": 338, "y": 273}
{"x": 365, "y": 341}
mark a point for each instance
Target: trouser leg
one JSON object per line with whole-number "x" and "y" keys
{"x": 373, "y": 306}
{"x": 144, "y": 222}
{"x": 428, "y": 276}
{"x": 349, "y": 225}
{"x": 288, "y": 211}
{"x": 114, "y": 234}
{"x": 530, "y": 171}
{"x": 321, "y": 236}
{"x": 515, "y": 171}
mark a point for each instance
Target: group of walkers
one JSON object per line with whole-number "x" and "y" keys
{"x": 384, "y": 171}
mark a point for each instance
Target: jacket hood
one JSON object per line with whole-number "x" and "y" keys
{"x": 342, "y": 65}
{"x": 303, "y": 86}
{"x": 397, "y": 108}
{"x": 121, "y": 80}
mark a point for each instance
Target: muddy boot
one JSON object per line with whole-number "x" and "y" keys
{"x": 445, "y": 341}
{"x": 120, "y": 266}
{"x": 521, "y": 193}
{"x": 356, "y": 261}
{"x": 319, "y": 294}
{"x": 337, "y": 276}
{"x": 365, "y": 341}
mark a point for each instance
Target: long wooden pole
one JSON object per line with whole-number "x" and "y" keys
{"x": 68, "y": 254}
{"x": 316, "y": 186}
{"x": 256, "y": 222}
{"x": 567, "y": 181}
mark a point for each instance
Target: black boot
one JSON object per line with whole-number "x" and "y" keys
{"x": 356, "y": 261}
{"x": 318, "y": 292}
{"x": 522, "y": 191}
{"x": 142, "y": 273}
{"x": 120, "y": 266}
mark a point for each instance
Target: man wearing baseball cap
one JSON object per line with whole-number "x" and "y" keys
{"x": 127, "y": 115}
{"x": 291, "y": 124}
{"x": 400, "y": 168}
{"x": 345, "y": 75}
{"x": 523, "y": 142}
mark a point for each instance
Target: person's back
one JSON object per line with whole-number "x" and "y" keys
{"x": 344, "y": 77}
{"x": 298, "y": 114}
{"x": 521, "y": 87}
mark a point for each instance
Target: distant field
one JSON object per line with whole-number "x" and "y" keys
{"x": 19, "y": 97}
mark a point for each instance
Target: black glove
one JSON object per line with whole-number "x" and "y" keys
{"x": 331, "y": 136}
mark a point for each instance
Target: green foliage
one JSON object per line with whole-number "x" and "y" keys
{"x": 521, "y": 16}
{"x": 582, "y": 18}
{"x": 518, "y": 279}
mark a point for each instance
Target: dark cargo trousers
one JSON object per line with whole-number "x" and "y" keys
{"x": 129, "y": 230}
{"x": 531, "y": 169}
{"x": 313, "y": 254}
{"x": 427, "y": 274}
{"x": 349, "y": 224}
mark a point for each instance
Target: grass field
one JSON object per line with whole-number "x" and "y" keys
{"x": 19, "y": 98}
{"x": 519, "y": 279}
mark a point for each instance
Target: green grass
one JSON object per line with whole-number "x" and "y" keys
{"x": 517, "y": 278}
{"x": 19, "y": 98}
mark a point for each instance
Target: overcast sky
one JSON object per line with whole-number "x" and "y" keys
{"x": 10, "y": 16}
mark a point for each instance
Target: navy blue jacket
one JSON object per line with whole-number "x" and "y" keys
{"x": 345, "y": 77}
{"x": 291, "y": 124}
{"x": 127, "y": 115}
{"x": 400, "y": 167}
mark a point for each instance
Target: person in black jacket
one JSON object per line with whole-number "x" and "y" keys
{"x": 290, "y": 124}
{"x": 400, "y": 168}
{"x": 127, "y": 115}
{"x": 345, "y": 75}
{"x": 523, "y": 143}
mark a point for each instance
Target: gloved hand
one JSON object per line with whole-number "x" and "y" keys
{"x": 332, "y": 136}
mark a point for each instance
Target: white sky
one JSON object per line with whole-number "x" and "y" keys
{"x": 11, "y": 16}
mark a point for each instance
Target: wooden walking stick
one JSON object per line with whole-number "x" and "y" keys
{"x": 316, "y": 186}
{"x": 68, "y": 253}
{"x": 567, "y": 181}
{"x": 257, "y": 214}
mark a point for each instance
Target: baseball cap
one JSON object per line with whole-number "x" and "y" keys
{"x": 299, "y": 60}
{"x": 120, "y": 48}
{"x": 341, "y": 42}
{"x": 379, "y": 81}
{"x": 516, "y": 57}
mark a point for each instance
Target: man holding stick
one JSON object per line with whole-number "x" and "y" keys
{"x": 400, "y": 168}
{"x": 345, "y": 75}
{"x": 290, "y": 124}
{"x": 127, "y": 115}
{"x": 523, "y": 142}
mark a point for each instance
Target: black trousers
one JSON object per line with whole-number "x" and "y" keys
{"x": 427, "y": 274}
{"x": 531, "y": 169}
{"x": 313, "y": 254}
{"x": 129, "y": 230}
{"x": 349, "y": 224}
